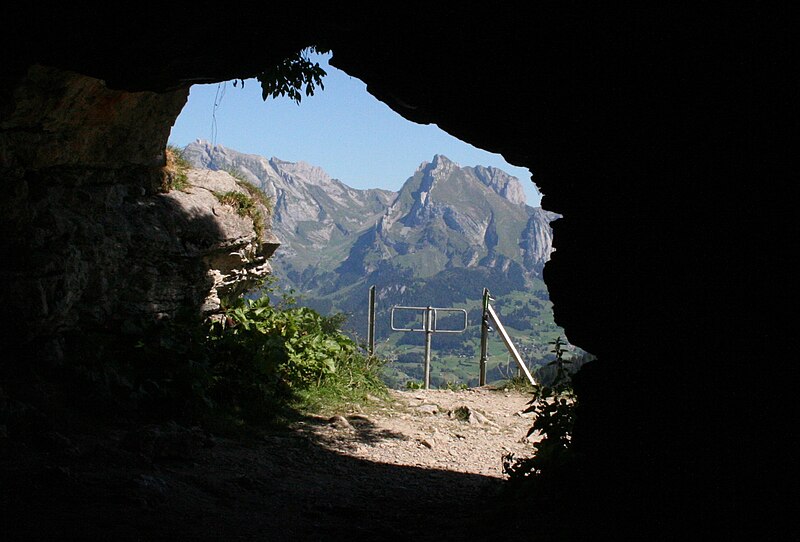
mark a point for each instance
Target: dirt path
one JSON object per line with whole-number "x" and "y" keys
{"x": 466, "y": 431}
{"x": 423, "y": 466}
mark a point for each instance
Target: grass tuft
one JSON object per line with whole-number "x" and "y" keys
{"x": 175, "y": 171}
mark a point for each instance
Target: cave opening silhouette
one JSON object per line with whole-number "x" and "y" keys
{"x": 662, "y": 129}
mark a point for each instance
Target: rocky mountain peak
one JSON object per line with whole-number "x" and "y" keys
{"x": 303, "y": 170}
{"x": 441, "y": 168}
{"x": 437, "y": 168}
{"x": 442, "y": 163}
{"x": 501, "y": 182}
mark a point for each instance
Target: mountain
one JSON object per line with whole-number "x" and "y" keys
{"x": 312, "y": 212}
{"x": 446, "y": 234}
{"x": 447, "y": 216}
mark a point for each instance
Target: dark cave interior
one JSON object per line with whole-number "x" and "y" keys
{"x": 657, "y": 134}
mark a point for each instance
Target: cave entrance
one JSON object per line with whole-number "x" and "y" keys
{"x": 347, "y": 176}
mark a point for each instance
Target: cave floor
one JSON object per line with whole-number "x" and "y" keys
{"x": 304, "y": 482}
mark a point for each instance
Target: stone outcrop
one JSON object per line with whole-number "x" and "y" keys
{"x": 57, "y": 118}
{"x": 92, "y": 243}
{"x": 234, "y": 251}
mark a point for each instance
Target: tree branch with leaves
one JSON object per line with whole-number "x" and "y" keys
{"x": 295, "y": 76}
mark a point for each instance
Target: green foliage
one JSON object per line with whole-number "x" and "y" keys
{"x": 259, "y": 362}
{"x": 356, "y": 380}
{"x": 462, "y": 413}
{"x": 267, "y": 354}
{"x": 244, "y": 205}
{"x": 289, "y": 76}
{"x": 452, "y": 386}
{"x": 414, "y": 385}
{"x": 519, "y": 383}
{"x": 554, "y": 407}
{"x": 255, "y": 192}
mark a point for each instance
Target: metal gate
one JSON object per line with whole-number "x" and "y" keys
{"x": 429, "y": 315}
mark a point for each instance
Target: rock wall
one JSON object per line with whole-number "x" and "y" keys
{"x": 94, "y": 243}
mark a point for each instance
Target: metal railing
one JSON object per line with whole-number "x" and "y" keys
{"x": 490, "y": 316}
{"x": 428, "y": 326}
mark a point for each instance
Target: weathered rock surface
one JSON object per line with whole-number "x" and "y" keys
{"x": 237, "y": 258}
{"x": 59, "y": 118}
{"x": 100, "y": 248}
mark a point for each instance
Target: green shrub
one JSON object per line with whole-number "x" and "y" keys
{"x": 241, "y": 203}
{"x": 554, "y": 409}
{"x": 257, "y": 364}
{"x": 519, "y": 383}
{"x": 264, "y": 355}
{"x": 255, "y": 192}
{"x": 452, "y": 386}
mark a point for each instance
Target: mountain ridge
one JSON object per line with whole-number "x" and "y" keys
{"x": 454, "y": 208}
{"x": 445, "y": 213}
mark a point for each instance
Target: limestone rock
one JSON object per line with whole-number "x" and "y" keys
{"x": 427, "y": 408}
{"x": 470, "y": 415}
{"x": 340, "y": 422}
{"x": 236, "y": 258}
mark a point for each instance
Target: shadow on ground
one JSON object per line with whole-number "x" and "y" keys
{"x": 279, "y": 486}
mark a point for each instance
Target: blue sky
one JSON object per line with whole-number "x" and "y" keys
{"x": 342, "y": 129}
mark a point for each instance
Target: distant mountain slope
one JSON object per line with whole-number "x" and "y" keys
{"x": 449, "y": 232}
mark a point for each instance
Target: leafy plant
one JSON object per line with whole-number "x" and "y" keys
{"x": 252, "y": 364}
{"x": 242, "y": 203}
{"x": 452, "y": 386}
{"x": 554, "y": 408}
{"x": 289, "y": 76}
{"x": 256, "y": 193}
{"x": 519, "y": 383}
{"x": 461, "y": 413}
{"x": 270, "y": 353}
{"x": 246, "y": 205}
